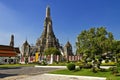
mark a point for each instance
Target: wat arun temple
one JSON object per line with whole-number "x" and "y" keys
{"x": 48, "y": 38}
{"x": 35, "y": 53}
{"x": 45, "y": 41}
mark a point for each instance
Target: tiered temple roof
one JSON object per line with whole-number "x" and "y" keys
{"x": 8, "y": 51}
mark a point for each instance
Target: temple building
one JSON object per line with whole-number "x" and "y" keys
{"x": 25, "y": 49}
{"x": 47, "y": 39}
{"x": 68, "y": 50}
{"x": 8, "y": 53}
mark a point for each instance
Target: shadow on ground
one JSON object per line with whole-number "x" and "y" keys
{"x": 6, "y": 75}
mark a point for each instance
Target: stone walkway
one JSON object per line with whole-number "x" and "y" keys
{"x": 15, "y": 77}
{"x": 52, "y": 77}
{"x": 46, "y": 76}
{"x": 60, "y": 77}
{"x": 64, "y": 67}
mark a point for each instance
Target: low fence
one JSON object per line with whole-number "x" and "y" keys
{"x": 53, "y": 57}
{"x": 61, "y": 58}
{"x": 74, "y": 58}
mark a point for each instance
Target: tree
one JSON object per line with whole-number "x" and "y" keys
{"x": 52, "y": 50}
{"x": 94, "y": 42}
{"x": 116, "y": 48}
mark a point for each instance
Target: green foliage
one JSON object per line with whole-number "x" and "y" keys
{"x": 80, "y": 64}
{"x": 71, "y": 66}
{"x": 107, "y": 60}
{"x": 52, "y": 50}
{"x": 114, "y": 70}
{"x": 58, "y": 64}
{"x": 26, "y": 60}
{"x": 103, "y": 70}
{"x": 43, "y": 62}
{"x": 93, "y": 43}
{"x": 87, "y": 66}
{"x": 94, "y": 40}
{"x": 109, "y": 64}
{"x": 118, "y": 64}
{"x": 94, "y": 69}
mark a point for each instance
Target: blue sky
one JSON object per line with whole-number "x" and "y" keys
{"x": 25, "y": 18}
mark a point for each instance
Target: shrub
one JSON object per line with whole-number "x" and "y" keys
{"x": 94, "y": 69}
{"x": 43, "y": 62}
{"x": 114, "y": 70}
{"x": 77, "y": 69}
{"x": 113, "y": 59}
{"x": 89, "y": 60}
{"x": 80, "y": 64}
{"x": 80, "y": 67}
{"x": 56, "y": 62}
{"x": 107, "y": 60}
{"x": 108, "y": 64}
{"x": 87, "y": 66}
{"x": 100, "y": 60}
{"x": 118, "y": 64}
{"x": 103, "y": 70}
{"x": 71, "y": 66}
{"x": 117, "y": 74}
{"x": 59, "y": 64}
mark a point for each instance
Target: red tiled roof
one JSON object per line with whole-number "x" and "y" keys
{"x": 5, "y": 47}
{"x": 8, "y": 55}
{"x": 7, "y": 51}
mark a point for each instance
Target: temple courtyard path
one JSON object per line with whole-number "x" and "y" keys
{"x": 22, "y": 72}
{"x": 39, "y": 73}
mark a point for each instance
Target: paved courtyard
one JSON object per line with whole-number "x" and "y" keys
{"x": 39, "y": 73}
{"x": 22, "y": 72}
{"x": 52, "y": 77}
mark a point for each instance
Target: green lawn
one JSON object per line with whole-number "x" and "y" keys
{"x": 15, "y": 65}
{"x": 58, "y": 64}
{"x": 87, "y": 72}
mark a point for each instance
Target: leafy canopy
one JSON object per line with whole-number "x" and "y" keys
{"x": 52, "y": 50}
{"x": 94, "y": 41}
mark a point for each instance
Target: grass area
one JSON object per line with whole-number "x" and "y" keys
{"x": 15, "y": 65}
{"x": 109, "y": 64}
{"x": 58, "y": 64}
{"x": 65, "y": 63}
{"x": 87, "y": 72}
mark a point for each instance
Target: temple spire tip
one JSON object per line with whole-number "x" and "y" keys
{"x": 48, "y": 11}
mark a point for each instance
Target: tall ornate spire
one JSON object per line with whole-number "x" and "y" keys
{"x": 12, "y": 41}
{"x": 47, "y": 22}
{"x": 48, "y": 11}
{"x": 47, "y": 38}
